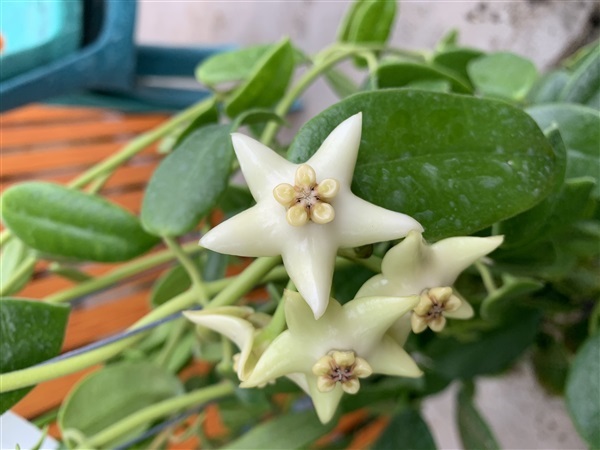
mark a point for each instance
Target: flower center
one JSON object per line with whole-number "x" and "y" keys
{"x": 341, "y": 367}
{"x": 307, "y": 200}
{"x": 430, "y": 310}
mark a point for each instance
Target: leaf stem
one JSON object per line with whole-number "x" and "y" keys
{"x": 303, "y": 83}
{"x": 245, "y": 281}
{"x": 157, "y": 411}
{"x": 16, "y": 277}
{"x": 140, "y": 143}
{"x": 122, "y": 272}
{"x": 179, "y": 327}
{"x": 486, "y": 277}
{"x": 190, "y": 268}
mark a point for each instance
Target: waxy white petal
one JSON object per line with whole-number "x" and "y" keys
{"x": 308, "y": 250}
{"x": 325, "y": 402}
{"x": 391, "y": 359}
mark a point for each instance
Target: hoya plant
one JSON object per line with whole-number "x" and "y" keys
{"x": 437, "y": 224}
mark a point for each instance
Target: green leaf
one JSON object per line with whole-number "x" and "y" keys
{"x": 342, "y": 85}
{"x": 513, "y": 288}
{"x": 290, "y": 431}
{"x": 406, "y": 430}
{"x": 32, "y": 332}
{"x": 583, "y": 391}
{"x": 448, "y": 41}
{"x": 174, "y": 282}
{"x": 235, "y": 200}
{"x": 523, "y": 229}
{"x": 457, "y": 164}
{"x": 584, "y": 85}
{"x": 474, "y": 431}
{"x": 233, "y": 65}
{"x": 431, "y": 85}
{"x": 503, "y": 75}
{"x": 14, "y": 254}
{"x": 548, "y": 88}
{"x": 488, "y": 353}
{"x": 402, "y": 73}
{"x": 209, "y": 115}
{"x": 69, "y": 223}
{"x": 368, "y": 21}
{"x": 103, "y": 398}
{"x": 457, "y": 60}
{"x": 579, "y": 127}
{"x": 267, "y": 83}
{"x": 255, "y": 116}
{"x": 188, "y": 182}
{"x": 551, "y": 363}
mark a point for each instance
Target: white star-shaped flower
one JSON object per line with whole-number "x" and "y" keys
{"x": 348, "y": 343}
{"x": 305, "y": 212}
{"x": 415, "y": 268}
{"x": 241, "y": 325}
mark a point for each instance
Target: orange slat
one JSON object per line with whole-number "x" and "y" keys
{"x": 88, "y": 325}
{"x": 124, "y": 176}
{"x": 44, "y": 134}
{"x": 41, "y": 113}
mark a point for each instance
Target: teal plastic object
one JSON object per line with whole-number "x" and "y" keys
{"x": 37, "y": 32}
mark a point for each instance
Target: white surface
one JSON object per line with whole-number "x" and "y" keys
{"x": 519, "y": 412}
{"x": 16, "y": 430}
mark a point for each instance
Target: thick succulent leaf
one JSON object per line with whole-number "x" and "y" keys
{"x": 457, "y": 60}
{"x": 188, "y": 182}
{"x": 368, "y": 21}
{"x": 65, "y": 222}
{"x": 579, "y": 127}
{"x": 267, "y": 83}
{"x": 457, "y": 164}
{"x": 103, "y": 398}
{"x": 232, "y": 65}
{"x": 504, "y": 75}
{"x": 404, "y": 73}
{"x": 474, "y": 431}
{"x": 32, "y": 332}
{"x": 583, "y": 391}
{"x": 584, "y": 85}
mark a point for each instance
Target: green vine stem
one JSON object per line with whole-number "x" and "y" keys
{"x": 230, "y": 289}
{"x": 245, "y": 281}
{"x": 303, "y": 83}
{"x": 190, "y": 268}
{"x": 125, "y": 271}
{"x": 140, "y": 143}
{"x": 157, "y": 411}
{"x": 16, "y": 277}
{"x": 486, "y": 277}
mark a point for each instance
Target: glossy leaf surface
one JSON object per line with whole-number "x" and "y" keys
{"x": 69, "y": 223}
{"x": 32, "y": 332}
{"x": 115, "y": 392}
{"x": 188, "y": 182}
{"x": 584, "y": 85}
{"x": 583, "y": 390}
{"x": 457, "y": 164}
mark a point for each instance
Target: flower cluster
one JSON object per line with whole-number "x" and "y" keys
{"x": 305, "y": 213}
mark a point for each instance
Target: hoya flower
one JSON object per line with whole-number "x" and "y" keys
{"x": 239, "y": 324}
{"x": 305, "y": 212}
{"x": 335, "y": 352}
{"x": 415, "y": 268}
